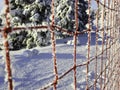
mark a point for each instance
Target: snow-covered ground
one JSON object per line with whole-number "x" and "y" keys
{"x": 32, "y": 69}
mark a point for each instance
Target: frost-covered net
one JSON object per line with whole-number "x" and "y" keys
{"x": 89, "y": 59}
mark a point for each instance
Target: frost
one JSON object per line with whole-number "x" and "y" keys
{"x": 18, "y": 11}
{"x": 35, "y": 17}
{"x": 16, "y": 20}
{"x": 87, "y": 11}
{"x": 44, "y": 23}
{"x": 26, "y": 11}
{"x": 5, "y": 40}
{"x": 64, "y": 21}
{"x": 19, "y": 1}
{"x": 87, "y": 25}
{"x": 40, "y": 2}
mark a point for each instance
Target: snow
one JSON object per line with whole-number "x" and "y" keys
{"x": 30, "y": 53}
{"x": 71, "y": 42}
{"x": 35, "y": 17}
{"x": 16, "y": 20}
{"x": 32, "y": 69}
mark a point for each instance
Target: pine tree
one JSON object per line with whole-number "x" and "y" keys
{"x": 64, "y": 14}
{"x": 38, "y": 11}
{"x": 28, "y": 12}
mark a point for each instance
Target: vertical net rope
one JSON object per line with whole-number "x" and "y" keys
{"x": 88, "y": 45}
{"x": 75, "y": 42}
{"x": 6, "y": 46}
{"x": 54, "y": 47}
{"x": 103, "y": 33}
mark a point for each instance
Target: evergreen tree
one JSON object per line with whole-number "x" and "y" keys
{"x": 16, "y": 40}
{"x": 28, "y": 12}
{"x": 38, "y": 11}
{"x": 64, "y": 14}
